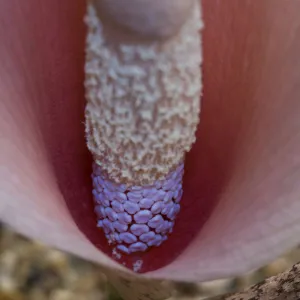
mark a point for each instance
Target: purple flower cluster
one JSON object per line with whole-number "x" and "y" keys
{"x": 138, "y": 217}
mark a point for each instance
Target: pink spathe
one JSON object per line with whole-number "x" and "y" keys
{"x": 242, "y": 177}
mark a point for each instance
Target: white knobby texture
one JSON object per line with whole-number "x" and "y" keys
{"x": 142, "y": 102}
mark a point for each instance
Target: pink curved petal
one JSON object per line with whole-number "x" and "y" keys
{"x": 241, "y": 200}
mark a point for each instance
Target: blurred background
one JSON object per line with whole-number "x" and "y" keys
{"x": 30, "y": 270}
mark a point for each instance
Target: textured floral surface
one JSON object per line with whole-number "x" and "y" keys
{"x": 137, "y": 218}
{"x": 30, "y": 270}
{"x": 142, "y": 101}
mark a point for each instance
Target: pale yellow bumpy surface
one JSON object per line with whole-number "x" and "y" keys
{"x": 143, "y": 101}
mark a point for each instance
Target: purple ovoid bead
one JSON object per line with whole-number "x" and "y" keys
{"x": 178, "y": 198}
{"x": 128, "y": 237}
{"x": 138, "y": 217}
{"x": 121, "y": 197}
{"x": 123, "y": 249}
{"x": 156, "y": 241}
{"x": 149, "y": 192}
{"x": 136, "y": 188}
{"x": 158, "y": 184}
{"x": 168, "y": 196}
{"x": 108, "y": 194}
{"x": 103, "y": 200}
{"x": 147, "y": 237}
{"x": 146, "y": 203}
{"x": 135, "y": 196}
{"x": 157, "y": 207}
{"x": 160, "y": 195}
{"x": 120, "y": 227}
{"x": 137, "y": 247}
{"x": 111, "y": 214}
{"x": 116, "y": 237}
{"x": 99, "y": 211}
{"x": 167, "y": 208}
{"x": 139, "y": 229}
{"x": 131, "y": 207}
{"x": 117, "y": 206}
{"x": 124, "y": 218}
{"x": 107, "y": 226}
{"x": 121, "y": 188}
{"x": 143, "y": 216}
{"x": 156, "y": 221}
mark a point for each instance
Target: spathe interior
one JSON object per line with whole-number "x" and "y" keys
{"x": 241, "y": 189}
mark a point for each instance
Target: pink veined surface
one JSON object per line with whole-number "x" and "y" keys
{"x": 241, "y": 202}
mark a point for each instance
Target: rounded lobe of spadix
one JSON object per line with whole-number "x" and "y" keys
{"x": 158, "y": 19}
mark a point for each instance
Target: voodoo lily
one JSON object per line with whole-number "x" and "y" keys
{"x": 240, "y": 191}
